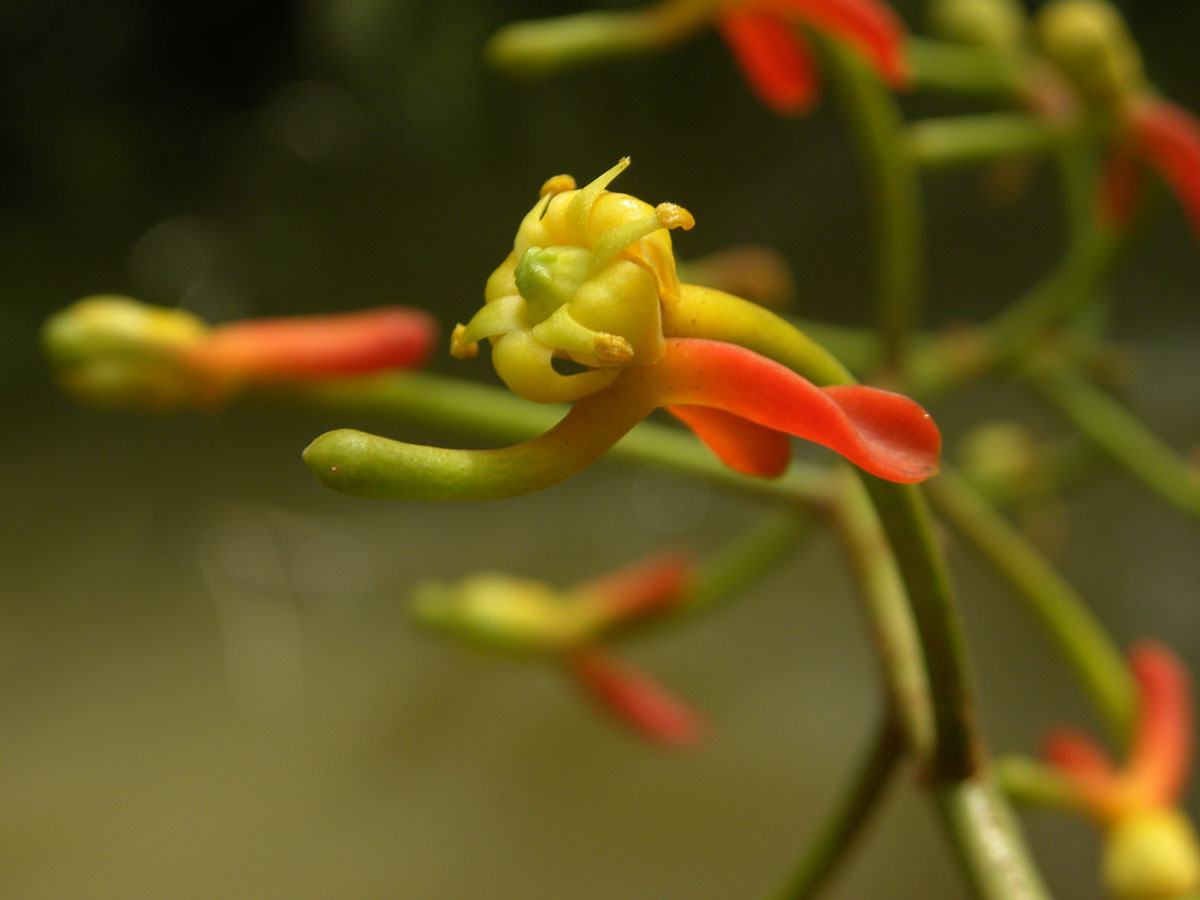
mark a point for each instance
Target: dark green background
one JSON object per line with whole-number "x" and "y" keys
{"x": 208, "y": 685}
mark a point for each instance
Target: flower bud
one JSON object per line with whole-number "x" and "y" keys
{"x": 585, "y": 281}
{"x": 1089, "y": 40}
{"x": 502, "y": 610}
{"x": 1152, "y": 854}
{"x": 114, "y": 351}
{"x": 995, "y": 24}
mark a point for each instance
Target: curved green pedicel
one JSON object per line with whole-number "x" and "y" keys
{"x": 702, "y": 312}
{"x": 366, "y": 465}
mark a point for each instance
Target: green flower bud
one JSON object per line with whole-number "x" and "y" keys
{"x": 1089, "y": 40}
{"x": 996, "y": 24}
{"x": 504, "y": 611}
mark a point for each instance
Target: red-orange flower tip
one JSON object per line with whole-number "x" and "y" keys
{"x": 1167, "y": 138}
{"x": 759, "y": 400}
{"x": 777, "y": 63}
{"x": 869, "y": 25}
{"x": 646, "y": 587}
{"x": 1162, "y": 751}
{"x": 317, "y": 346}
{"x": 1160, "y": 754}
{"x": 635, "y": 700}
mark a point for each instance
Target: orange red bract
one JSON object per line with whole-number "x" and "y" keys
{"x": 777, "y": 62}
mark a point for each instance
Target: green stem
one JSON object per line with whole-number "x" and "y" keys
{"x": 494, "y": 414}
{"x": 986, "y": 841}
{"x": 744, "y": 560}
{"x": 548, "y": 45}
{"x": 1061, "y": 612}
{"x": 875, "y": 119}
{"x": 1078, "y": 175}
{"x": 1066, "y": 290}
{"x": 1120, "y": 436}
{"x": 705, "y": 313}
{"x": 964, "y": 140}
{"x": 701, "y": 312}
{"x": 1031, "y": 782}
{"x": 902, "y": 510}
{"x": 960, "y": 69}
{"x": 424, "y": 399}
{"x": 844, "y": 823}
{"x": 888, "y": 612}
{"x": 733, "y": 567}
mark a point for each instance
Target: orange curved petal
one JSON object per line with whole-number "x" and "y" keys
{"x": 1162, "y": 748}
{"x": 744, "y": 446}
{"x": 1167, "y": 137}
{"x": 647, "y": 586}
{"x": 883, "y": 433}
{"x": 318, "y": 346}
{"x": 1086, "y": 766}
{"x": 777, "y": 65}
{"x": 635, "y": 699}
{"x": 871, "y": 26}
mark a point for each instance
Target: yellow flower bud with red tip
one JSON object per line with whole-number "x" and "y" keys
{"x": 518, "y": 614}
{"x": 1150, "y": 849}
{"x": 585, "y": 281}
{"x": 115, "y": 351}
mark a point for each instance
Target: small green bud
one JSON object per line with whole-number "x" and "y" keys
{"x": 1090, "y": 42}
{"x": 1002, "y": 453}
{"x": 996, "y": 24}
{"x": 548, "y": 277}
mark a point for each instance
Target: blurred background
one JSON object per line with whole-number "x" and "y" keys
{"x": 209, "y": 686}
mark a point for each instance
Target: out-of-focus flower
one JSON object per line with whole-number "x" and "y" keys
{"x": 1151, "y": 850}
{"x": 762, "y": 34}
{"x": 1090, "y": 43}
{"x": 116, "y": 351}
{"x": 778, "y": 64}
{"x": 569, "y": 627}
{"x": 591, "y": 279}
